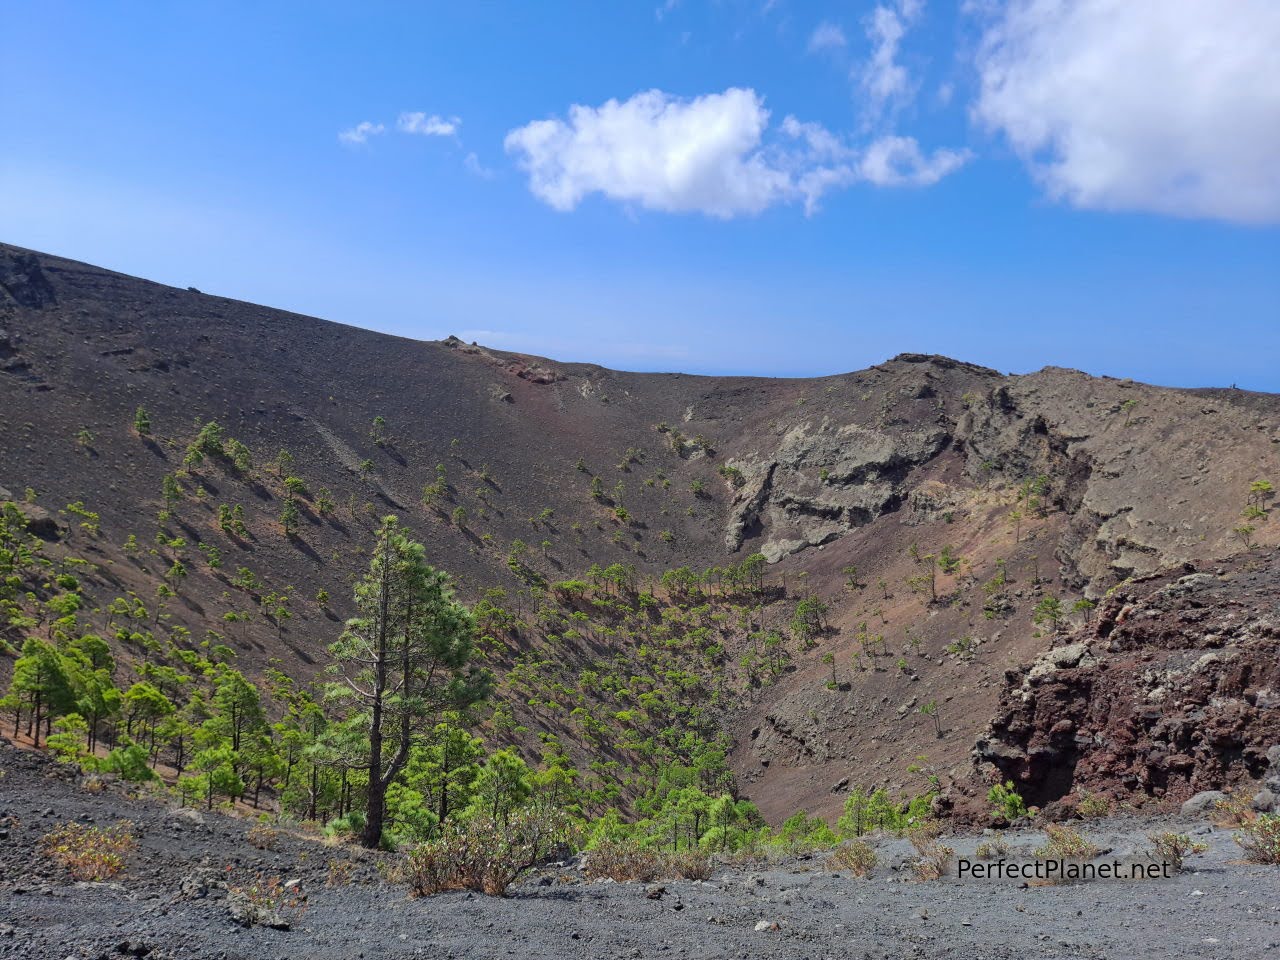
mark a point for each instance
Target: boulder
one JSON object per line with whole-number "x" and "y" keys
{"x": 247, "y": 913}
{"x": 1264, "y": 801}
{"x": 1202, "y": 803}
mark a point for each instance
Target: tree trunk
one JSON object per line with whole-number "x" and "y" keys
{"x": 376, "y": 794}
{"x": 36, "y": 714}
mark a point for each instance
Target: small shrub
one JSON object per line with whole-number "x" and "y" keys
{"x": 992, "y": 849}
{"x": 1175, "y": 847}
{"x": 1008, "y": 801}
{"x": 487, "y": 855}
{"x": 1094, "y": 805}
{"x": 621, "y": 861}
{"x": 1260, "y": 838}
{"x": 262, "y": 836}
{"x": 934, "y": 855}
{"x": 90, "y": 853}
{"x": 339, "y": 873}
{"x": 1233, "y": 812}
{"x": 687, "y": 865}
{"x": 345, "y": 828}
{"x": 434, "y": 867}
{"x": 265, "y": 902}
{"x": 856, "y": 856}
{"x": 1064, "y": 843}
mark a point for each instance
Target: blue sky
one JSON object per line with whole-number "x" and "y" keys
{"x": 778, "y": 188}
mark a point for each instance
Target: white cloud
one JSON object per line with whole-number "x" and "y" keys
{"x": 361, "y": 132}
{"x": 473, "y": 164}
{"x": 826, "y": 36}
{"x": 1165, "y": 106}
{"x": 884, "y": 80}
{"x": 708, "y": 155}
{"x": 428, "y": 126}
{"x": 655, "y": 150}
{"x": 898, "y": 161}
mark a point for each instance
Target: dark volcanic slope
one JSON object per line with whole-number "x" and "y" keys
{"x": 830, "y": 472}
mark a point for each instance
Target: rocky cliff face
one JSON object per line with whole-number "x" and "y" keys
{"x": 1174, "y": 688}
{"x": 1150, "y": 477}
{"x": 825, "y": 480}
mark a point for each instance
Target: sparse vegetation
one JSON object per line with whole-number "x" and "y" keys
{"x": 932, "y": 856}
{"x": 262, "y": 836}
{"x": 993, "y": 849}
{"x": 855, "y": 856}
{"x": 1174, "y": 848}
{"x": 1093, "y": 806}
{"x": 1065, "y": 843}
{"x": 87, "y": 852}
{"x": 265, "y": 901}
{"x": 1259, "y": 838}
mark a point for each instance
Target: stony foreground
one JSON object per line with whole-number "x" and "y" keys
{"x": 171, "y": 901}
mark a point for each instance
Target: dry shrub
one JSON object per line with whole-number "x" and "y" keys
{"x": 688, "y": 865}
{"x": 991, "y": 849}
{"x": 856, "y": 856}
{"x": 934, "y": 855}
{"x": 262, "y": 837}
{"x": 622, "y": 860}
{"x": 90, "y": 853}
{"x": 487, "y": 855}
{"x": 1259, "y": 837}
{"x": 1173, "y": 848}
{"x": 1064, "y": 843}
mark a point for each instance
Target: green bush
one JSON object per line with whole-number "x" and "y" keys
{"x": 1175, "y": 847}
{"x": 1260, "y": 838}
{"x": 128, "y": 761}
{"x": 487, "y": 855}
{"x": 1008, "y": 802}
{"x": 877, "y": 810}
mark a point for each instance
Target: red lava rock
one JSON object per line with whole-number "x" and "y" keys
{"x": 1164, "y": 701}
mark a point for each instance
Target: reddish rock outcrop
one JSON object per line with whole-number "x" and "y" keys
{"x": 1174, "y": 688}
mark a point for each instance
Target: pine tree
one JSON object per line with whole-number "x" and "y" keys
{"x": 404, "y": 660}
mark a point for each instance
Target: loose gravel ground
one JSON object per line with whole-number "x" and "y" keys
{"x": 169, "y": 902}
